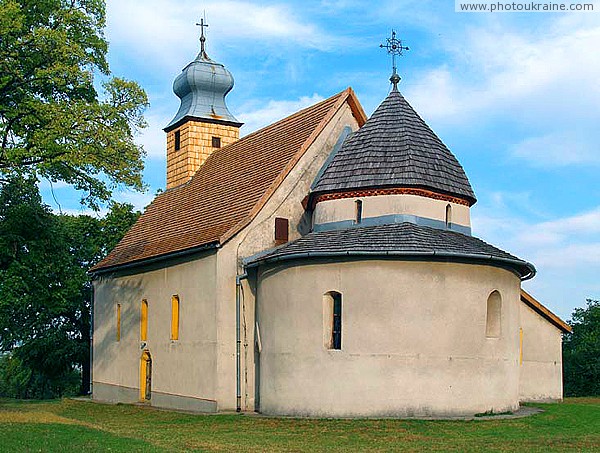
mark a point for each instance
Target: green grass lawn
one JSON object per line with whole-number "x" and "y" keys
{"x": 70, "y": 425}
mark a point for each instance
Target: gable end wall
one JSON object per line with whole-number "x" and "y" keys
{"x": 541, "y": 370}
{"x": 183, "y": 371}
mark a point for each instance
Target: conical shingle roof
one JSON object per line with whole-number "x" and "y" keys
{"x": 395, "y": 148}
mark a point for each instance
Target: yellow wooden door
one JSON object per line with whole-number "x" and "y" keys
{"x": 145, "y": 376}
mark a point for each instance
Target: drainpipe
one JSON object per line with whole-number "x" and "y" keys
{"x": 238, "y": 340}
{"x": 91, "y": 390}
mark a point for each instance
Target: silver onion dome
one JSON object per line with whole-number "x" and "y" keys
{"x": 202, "y": 87}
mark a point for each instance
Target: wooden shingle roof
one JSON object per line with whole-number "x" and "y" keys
{"x": 228, "y": 190}
{"x": 395, "y": 148}
{"x": 400, "y": 240}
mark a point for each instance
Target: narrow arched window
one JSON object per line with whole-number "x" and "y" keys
{"x": 144, "y": 321}
{"x": 448, "y": 215}
{"x": 118, "y": 322}
{"x": 175, "y": 317}
{"x": 358, "y": 211}
{"x": 493, "y": 316}
{"x": 332, "y": 320}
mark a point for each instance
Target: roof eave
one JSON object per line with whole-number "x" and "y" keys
{"x": 523, "y": 269}
{"x": 179, "y": 122}
{"x": 97, "y": 271}
{"x": 310, "y": 199}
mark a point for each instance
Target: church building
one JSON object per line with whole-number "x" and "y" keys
{"x": 321, "y": 266}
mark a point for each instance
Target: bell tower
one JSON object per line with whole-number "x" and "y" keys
{"x": 203, "y": 122}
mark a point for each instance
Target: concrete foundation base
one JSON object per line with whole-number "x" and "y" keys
{"x": 118, "y": 394}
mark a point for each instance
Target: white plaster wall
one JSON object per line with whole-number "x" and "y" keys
{"x": 541, "y": 370}
{"x": 202, "y": 364}
{"x": 413, "y": 340}
{"x": 380, "y": 205}
{"x": 258, "y": 236}
{"x": 185, "y": 367}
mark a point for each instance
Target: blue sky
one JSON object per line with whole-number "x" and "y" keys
{"x": 515, "y": 96}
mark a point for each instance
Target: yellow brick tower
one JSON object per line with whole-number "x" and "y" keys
{"x": 203, "y": 122}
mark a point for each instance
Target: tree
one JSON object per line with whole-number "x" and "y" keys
{"x": 32, "y": 296}
{"x": 53, "y": 122}
{"x": 45, "y": 292}
{"x": 581, "y": 352}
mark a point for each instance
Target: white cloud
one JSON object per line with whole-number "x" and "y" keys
{"x": 497, "y": 220}
{"x": 563, "y": 232}
{"x": 557, "y": 149}
{"x": 569, "y": 256}
{"x": 258, "y": 114}
{"x": 438, "y": 96}
{"x": 540, "y": 77}
{"x": 164, "y": 31}
{"x": 588, "y": 222}
{"x": 137, "y": 199}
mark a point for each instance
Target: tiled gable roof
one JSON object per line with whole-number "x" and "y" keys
{"x": 397, "y": 240}
{"x": 227, "y": 190}
{"x": 395, "y": 148}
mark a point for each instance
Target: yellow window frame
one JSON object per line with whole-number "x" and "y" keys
{"x": 144, "y": 321}
{"x": 118, "y": 322}
{"x": 175, "y": 317}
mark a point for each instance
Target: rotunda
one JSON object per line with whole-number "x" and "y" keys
{"x": 389, "y": 306}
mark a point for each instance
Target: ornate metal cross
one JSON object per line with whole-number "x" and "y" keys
{"x": 202, "y": 37}
{"x": 394, "y": 47}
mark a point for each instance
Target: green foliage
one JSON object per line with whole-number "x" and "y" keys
{"x": 20, "y": 381}
{"x": 14, "y": 378}
{"x": 53, "y": 122}
{"x": 581, "y": 352}
{"x": 45, "y": 292}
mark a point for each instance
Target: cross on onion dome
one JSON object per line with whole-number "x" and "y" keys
{"x": 202, "y": 37}
{"x": 394, "y": 47}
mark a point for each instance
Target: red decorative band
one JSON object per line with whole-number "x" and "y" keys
{"x": 392, "y": 191}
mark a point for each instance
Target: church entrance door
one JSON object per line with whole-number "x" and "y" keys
{"x": 145, "y": 376}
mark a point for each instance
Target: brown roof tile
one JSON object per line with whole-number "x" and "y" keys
{"x": 228, "y": 190}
